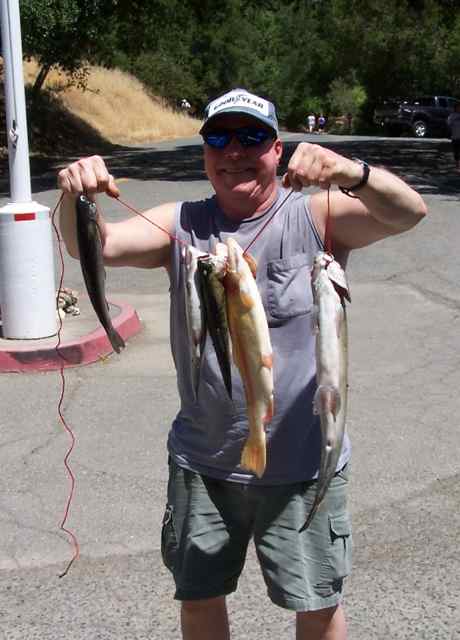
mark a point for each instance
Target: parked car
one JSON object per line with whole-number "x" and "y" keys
{"x": 423, "y": 116}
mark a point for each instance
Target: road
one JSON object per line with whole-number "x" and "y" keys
{"x": 403, "y": 421}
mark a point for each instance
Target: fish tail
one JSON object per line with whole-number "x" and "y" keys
{"x": 116, "y": 340}
{"x": 310, "y": 516}
{"x": 254, "y": 456}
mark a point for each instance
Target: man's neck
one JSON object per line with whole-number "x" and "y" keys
{"x": 243, "y": 208}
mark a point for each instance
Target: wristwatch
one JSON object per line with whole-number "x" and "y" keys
{"x": 361, "y": 183}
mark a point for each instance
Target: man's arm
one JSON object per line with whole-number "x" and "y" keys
{"x": 386, "y": 205}
{"x": 132, "y": 242}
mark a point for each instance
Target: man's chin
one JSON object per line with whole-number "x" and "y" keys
{"x": 242, "y": 187}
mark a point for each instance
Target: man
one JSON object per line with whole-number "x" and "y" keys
{"x": 214, "y": 506}
{"x": 311, "y": 119}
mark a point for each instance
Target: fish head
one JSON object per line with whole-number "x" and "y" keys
{"x": 86, "y": 208}
{"x": 190, "y": 254}
{"x": 212, "y": 266}
{"x": 320, "y": 263}
{"x": 235, "y": 256}
{"x": 338, "y": 278}
{"x": 205, "y": 267}
{"x": 325, "y": 267}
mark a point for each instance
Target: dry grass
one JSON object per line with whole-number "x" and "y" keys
{"x": 117, "y": 105}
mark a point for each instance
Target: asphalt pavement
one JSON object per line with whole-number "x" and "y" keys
{"x": 403, "y": 422}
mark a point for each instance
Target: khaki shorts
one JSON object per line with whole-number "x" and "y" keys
{"x": 208, "y": 524}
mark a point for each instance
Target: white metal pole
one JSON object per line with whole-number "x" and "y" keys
{"x": 28, "y": 297}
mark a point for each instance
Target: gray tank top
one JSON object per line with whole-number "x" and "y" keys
{"x": 208, "y": 433}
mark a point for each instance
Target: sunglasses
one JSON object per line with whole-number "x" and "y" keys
{"x": 246, "y": 136}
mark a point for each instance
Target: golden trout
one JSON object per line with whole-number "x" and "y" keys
{"x": 252, "y": 353}
{"x": 329, "y": 289}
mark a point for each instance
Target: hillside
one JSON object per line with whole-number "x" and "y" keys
{"x": 114, "y": 109}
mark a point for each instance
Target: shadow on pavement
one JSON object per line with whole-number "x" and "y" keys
{"x": 426, "y": 164}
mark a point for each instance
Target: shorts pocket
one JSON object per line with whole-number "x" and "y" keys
{"x": 341, "y": 540}
{"x": 169, "y": 544}
{"x": 288, "y": 288}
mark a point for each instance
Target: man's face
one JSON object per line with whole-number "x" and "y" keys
{"x": 239, "y": 171}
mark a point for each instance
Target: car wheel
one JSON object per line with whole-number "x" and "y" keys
{"x": 420, "y": 129}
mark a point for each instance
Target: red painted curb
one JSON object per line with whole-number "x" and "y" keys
{"x": 73, "y": 353}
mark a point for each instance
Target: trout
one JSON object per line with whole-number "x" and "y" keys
{"x": 92, "y": 266}
{"x": 194, "y": 312}
{"x": 329, "y": 289}
{"x": 211, "y": 270}
{"x": 252, "y": 353}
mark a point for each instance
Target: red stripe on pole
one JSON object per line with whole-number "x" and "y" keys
{"x": 18, "y": 217}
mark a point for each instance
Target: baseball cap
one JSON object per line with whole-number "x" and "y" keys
{"x": 241, "y": 101}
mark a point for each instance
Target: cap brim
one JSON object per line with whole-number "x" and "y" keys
{"x": 215, "y": 118}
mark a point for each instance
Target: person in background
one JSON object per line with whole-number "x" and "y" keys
{"x": 311, "y": 121}
{"x": 453, "y": 122}
{"x": 214, "y": 507}
{"x": 321, "y": 123}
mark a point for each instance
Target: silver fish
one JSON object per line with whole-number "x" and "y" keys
{"x": 92, "y": 266}
{"x": 194, "y": 312}
{"x": 329, "y": 287}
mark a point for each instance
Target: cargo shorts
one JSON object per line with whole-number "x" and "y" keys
{"x": 208, "y": 524}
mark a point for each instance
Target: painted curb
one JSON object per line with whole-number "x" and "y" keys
{"x": 84, "y": 350}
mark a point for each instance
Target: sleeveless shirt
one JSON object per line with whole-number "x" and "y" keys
{"x": 209, "y": 431}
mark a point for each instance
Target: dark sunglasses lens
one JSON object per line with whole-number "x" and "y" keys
{"x": 217, "y": 139}
{"x": 247, "y": 136}
{"x": 251, "y": 137}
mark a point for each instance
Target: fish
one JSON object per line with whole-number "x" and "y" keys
{"x": 252, "y": 353}
{"x": 330, "y": 289}
{"x": 211, "y": 269}
{"x": 194, "y": 311}
{"x": 92, "y": 266}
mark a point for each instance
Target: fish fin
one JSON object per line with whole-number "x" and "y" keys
{"x": 252, "y": 264}
{"x": 267, "y": 361}
{"x": 254, "y": 456}
{"x": 270, "y": 411}
{"x": 326, "y": 400}
{"x": 246, "y": 300}
{"x": 116, "y": 340}
{"x": 232, "y": 282}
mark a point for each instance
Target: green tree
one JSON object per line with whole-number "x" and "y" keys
{"x": 62, "y": 33}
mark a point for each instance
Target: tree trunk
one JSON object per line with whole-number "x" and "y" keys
{"x": 40, "y": 79}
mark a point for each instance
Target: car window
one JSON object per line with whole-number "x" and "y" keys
{"x": 425, "y": 102}
{"x": 451, "y": 102}
{"x": 442, "y": 102}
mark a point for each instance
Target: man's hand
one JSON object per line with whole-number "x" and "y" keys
{"x": 87, "y": 175}
{"x": 312, "y": 165}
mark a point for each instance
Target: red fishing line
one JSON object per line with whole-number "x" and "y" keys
{"x": 328, "y": 229}
{"x": 76, "y": 546}
{"x": 131, "y": 208}
{"x": 268, "y": 221}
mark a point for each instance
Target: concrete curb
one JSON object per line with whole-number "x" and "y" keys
{"x": 19, "y": 356}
